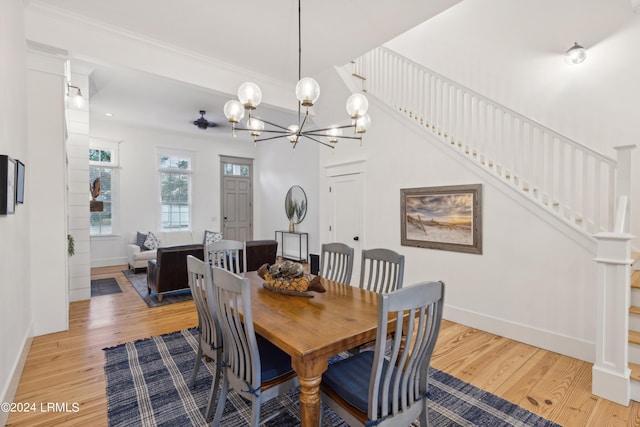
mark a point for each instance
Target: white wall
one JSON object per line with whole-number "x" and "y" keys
{"x": 47, "y": 193}
{"x": 275, "y": 167}
{"x": 280, "y": 168}
{"x": 512, "y": 52}
{"x": 533, "y": 282}
{"x": 15, "y": 287}
{"x": 77, "y": 147}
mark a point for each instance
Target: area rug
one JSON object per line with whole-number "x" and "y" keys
{"x": 139, "y": 283}
{"x": 107, "y": 286}
{"x": 147, "y": 386}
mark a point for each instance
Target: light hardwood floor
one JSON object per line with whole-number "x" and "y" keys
{"x": 68, "y": 367}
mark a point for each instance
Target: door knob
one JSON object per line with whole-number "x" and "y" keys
{"x": 356, "y": 238}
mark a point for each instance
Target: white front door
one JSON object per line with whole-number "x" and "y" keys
{"x": 347, "y": 216}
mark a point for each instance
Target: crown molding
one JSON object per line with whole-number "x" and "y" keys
{"x": 38, "y": 12}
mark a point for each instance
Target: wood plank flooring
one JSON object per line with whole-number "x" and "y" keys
{"x": 68, "y": 367}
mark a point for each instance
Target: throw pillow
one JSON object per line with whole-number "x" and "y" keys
{"x": 211, "y": 237}
{"x": 140, "y": 239}
{"x": 152, "y": 241}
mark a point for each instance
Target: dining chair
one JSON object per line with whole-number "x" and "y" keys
{"x": 228, "y": 254}
{"x": 257, "y": 370}
{"x": 381, "y": 270}
{"x": 389, "y": 388}
{"x": 336, "y": 262}
{"x": 209, "y": 334}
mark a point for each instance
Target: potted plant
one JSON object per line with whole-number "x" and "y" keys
{"x": 301, "y": 209}
{"x": 291, "y": 207}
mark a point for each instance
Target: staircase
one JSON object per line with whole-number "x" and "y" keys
{"x": 569, "y": 179}
{"x": 634, "y": 330}
{"x": 588, "y": 191}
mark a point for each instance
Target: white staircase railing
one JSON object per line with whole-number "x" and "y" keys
{"x": 568, "y": 178}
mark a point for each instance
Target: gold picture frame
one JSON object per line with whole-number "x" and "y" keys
{"x": 445, "y": 218}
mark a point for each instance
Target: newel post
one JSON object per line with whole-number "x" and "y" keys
{"x": 611, "y": 373}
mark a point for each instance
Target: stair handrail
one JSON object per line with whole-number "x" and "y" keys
{"x": 495, "y": 104}
{"x": 417, "y": 91}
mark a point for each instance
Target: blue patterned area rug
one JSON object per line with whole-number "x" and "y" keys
{"x": 139, "y": 283}
{"x": 147, "y": 386}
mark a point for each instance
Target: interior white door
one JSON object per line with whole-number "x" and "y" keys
{"x": 347, "y": 215}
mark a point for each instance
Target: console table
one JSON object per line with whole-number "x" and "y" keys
{"x": 293, "y": 245}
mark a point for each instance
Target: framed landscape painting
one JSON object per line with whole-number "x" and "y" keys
{"x": 447, "y": 218}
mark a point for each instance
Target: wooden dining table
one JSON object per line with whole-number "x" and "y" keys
{"x": 313, "y": 329}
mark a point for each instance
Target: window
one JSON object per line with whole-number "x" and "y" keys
{"x": 237, "y": 170}
{"x": 102, "y": 170}
{"x": 175, "y": 191}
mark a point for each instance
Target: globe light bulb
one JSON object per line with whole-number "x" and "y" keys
{"x": 256, "y": 126}
{"x": 333, "y": 134}
{"x": 234, "y": 111}
{"x": 363, "y": 123}
{"x": 293, "y": 136}
{"x": 249, "y": 95}
{"x": 307, "y": 91}
{"x": 576, "y": 54}
{"x": 357, "y": 105}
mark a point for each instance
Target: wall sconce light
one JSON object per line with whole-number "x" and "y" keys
{"x": 78, "y": 100}
{"x": 576, "y": 54}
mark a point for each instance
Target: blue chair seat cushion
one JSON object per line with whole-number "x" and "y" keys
{"x": 273, "y": 361}
{"x": 349, "y": 378}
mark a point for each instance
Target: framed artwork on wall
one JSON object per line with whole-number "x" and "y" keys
{"x": 7, "y": 185}
{"x": 446, "y": 218}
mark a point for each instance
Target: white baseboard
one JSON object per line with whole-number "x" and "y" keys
{"x": 611, "y": 385}
{"x": 108, "y": 262}
{"x": 80, "y": 294}
{"x": 547, "y": 340}
{"x": 9, "y": 391}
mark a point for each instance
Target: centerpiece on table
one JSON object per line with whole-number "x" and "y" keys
{"x": 289, "y": 278}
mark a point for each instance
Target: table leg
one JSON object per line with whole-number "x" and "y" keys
{"x": 309, "y": 376}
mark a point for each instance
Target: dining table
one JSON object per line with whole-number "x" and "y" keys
{"x": 312, "y": 329}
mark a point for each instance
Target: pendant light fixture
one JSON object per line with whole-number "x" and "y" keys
{"x": 575, "y": 54}
{"x": 307, "y": 92}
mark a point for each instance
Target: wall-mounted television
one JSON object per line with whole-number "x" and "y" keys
{"x": 19, "y": 182}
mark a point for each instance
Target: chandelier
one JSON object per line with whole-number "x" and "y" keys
{"x": 307, "y": 92}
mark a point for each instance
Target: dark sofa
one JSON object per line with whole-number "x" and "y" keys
{"x": 168, "y": 272}
{"x": 260, "y": 252}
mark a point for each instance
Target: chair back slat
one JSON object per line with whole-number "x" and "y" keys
{"x": 418, "y": 314}
{"x": 336, "y": 262}
{"x": 210, "y": 334}
{"x": 381, "y": 270}
{"x": 233, "y": 301}
{"x": 230, "y": 255}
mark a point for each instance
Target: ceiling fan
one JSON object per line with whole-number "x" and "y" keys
{"x": 203, "y": 123}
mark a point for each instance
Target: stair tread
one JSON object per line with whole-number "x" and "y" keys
{"x": 635, "y": 371}
{"x": 634, "y": 337}
{"x": 635, "y": 279}
{"x": 634, "y": 310}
